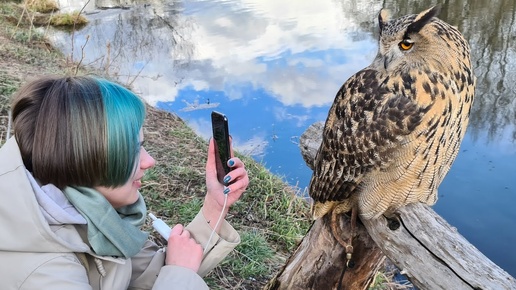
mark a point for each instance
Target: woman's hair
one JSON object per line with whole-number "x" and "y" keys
{"x": 78, "y": 131}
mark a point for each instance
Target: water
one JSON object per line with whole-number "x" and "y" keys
{"x": 274, "y": 67}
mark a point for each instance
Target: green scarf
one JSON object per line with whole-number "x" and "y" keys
{"x": 111, "y": 232}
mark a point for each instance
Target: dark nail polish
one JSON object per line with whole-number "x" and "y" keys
{"x": 231, "y": 162}
{"x": 226, "y": 190}
{"x": 227, "y": 179}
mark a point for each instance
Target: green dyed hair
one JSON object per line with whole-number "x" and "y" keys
{"x": 125, "y": 113}
{"x": 79, "y": 131}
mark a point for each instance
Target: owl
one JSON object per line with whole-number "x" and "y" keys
{"x": 395, "y": 127}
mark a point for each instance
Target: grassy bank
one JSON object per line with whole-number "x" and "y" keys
{"x": 270, "y": 218}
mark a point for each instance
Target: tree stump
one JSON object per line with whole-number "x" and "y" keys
{"x": 430, "y": 252}
{"x": 319, "y": 262}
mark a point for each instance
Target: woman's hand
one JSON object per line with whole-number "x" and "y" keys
{"x": 183, "y": 250}
{"x": 236, "y": 182}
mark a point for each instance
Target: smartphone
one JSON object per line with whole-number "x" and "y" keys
{"x": 220, "y": 127}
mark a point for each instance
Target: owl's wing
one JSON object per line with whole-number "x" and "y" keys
{"x": 365, "y": 124}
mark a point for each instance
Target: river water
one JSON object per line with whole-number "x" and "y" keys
{"x": 273, "y": 67}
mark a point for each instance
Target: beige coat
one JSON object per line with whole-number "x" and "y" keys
{"x": 36, "y": 255}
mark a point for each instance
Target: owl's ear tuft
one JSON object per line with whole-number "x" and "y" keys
{"x": 383, "y": 17}
{"x": 422, "y": 19}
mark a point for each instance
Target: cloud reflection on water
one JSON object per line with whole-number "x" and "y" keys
{"x": 259, "y": 46}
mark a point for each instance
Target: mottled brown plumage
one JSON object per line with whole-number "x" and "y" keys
{"x": 395, "y": 127}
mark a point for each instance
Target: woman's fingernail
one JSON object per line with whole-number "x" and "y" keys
{"x": 227, "y": 179}
{"x": 231, "y": 162}
{"x": 226, "y": 190}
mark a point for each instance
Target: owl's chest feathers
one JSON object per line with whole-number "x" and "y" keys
{"x": 428, "y": 150}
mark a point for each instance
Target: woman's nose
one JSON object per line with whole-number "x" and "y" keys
{"x": 146, "y": 161}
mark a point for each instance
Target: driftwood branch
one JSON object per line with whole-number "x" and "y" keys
{"x": 430, "y": 252}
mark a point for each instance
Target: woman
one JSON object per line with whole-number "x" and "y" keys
{"x": 69, "y": 202}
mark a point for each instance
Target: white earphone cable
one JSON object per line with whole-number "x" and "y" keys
{"x": 217, "y": 224}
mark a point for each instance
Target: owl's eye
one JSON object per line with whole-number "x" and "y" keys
{"x": 406, "y": 44}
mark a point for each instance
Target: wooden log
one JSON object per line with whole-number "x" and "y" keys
{"x": 430, "y": 252}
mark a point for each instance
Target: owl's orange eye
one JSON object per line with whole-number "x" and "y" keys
{"x": 406, "y": 44}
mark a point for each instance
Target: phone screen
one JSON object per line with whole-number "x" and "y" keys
{"x": 219, "y": 123}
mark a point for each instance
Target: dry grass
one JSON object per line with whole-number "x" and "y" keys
{"x": 69, "y": 20}
{"x": 41, "y": 6}
{"x": 40, "y": 13}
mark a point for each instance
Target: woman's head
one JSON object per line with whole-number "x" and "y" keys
{"x": 79, "y": 131}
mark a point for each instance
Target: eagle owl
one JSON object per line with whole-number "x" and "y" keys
{"x": 395, "y": 127}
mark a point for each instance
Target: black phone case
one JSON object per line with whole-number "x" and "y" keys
{"x": 220, "y": 127}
